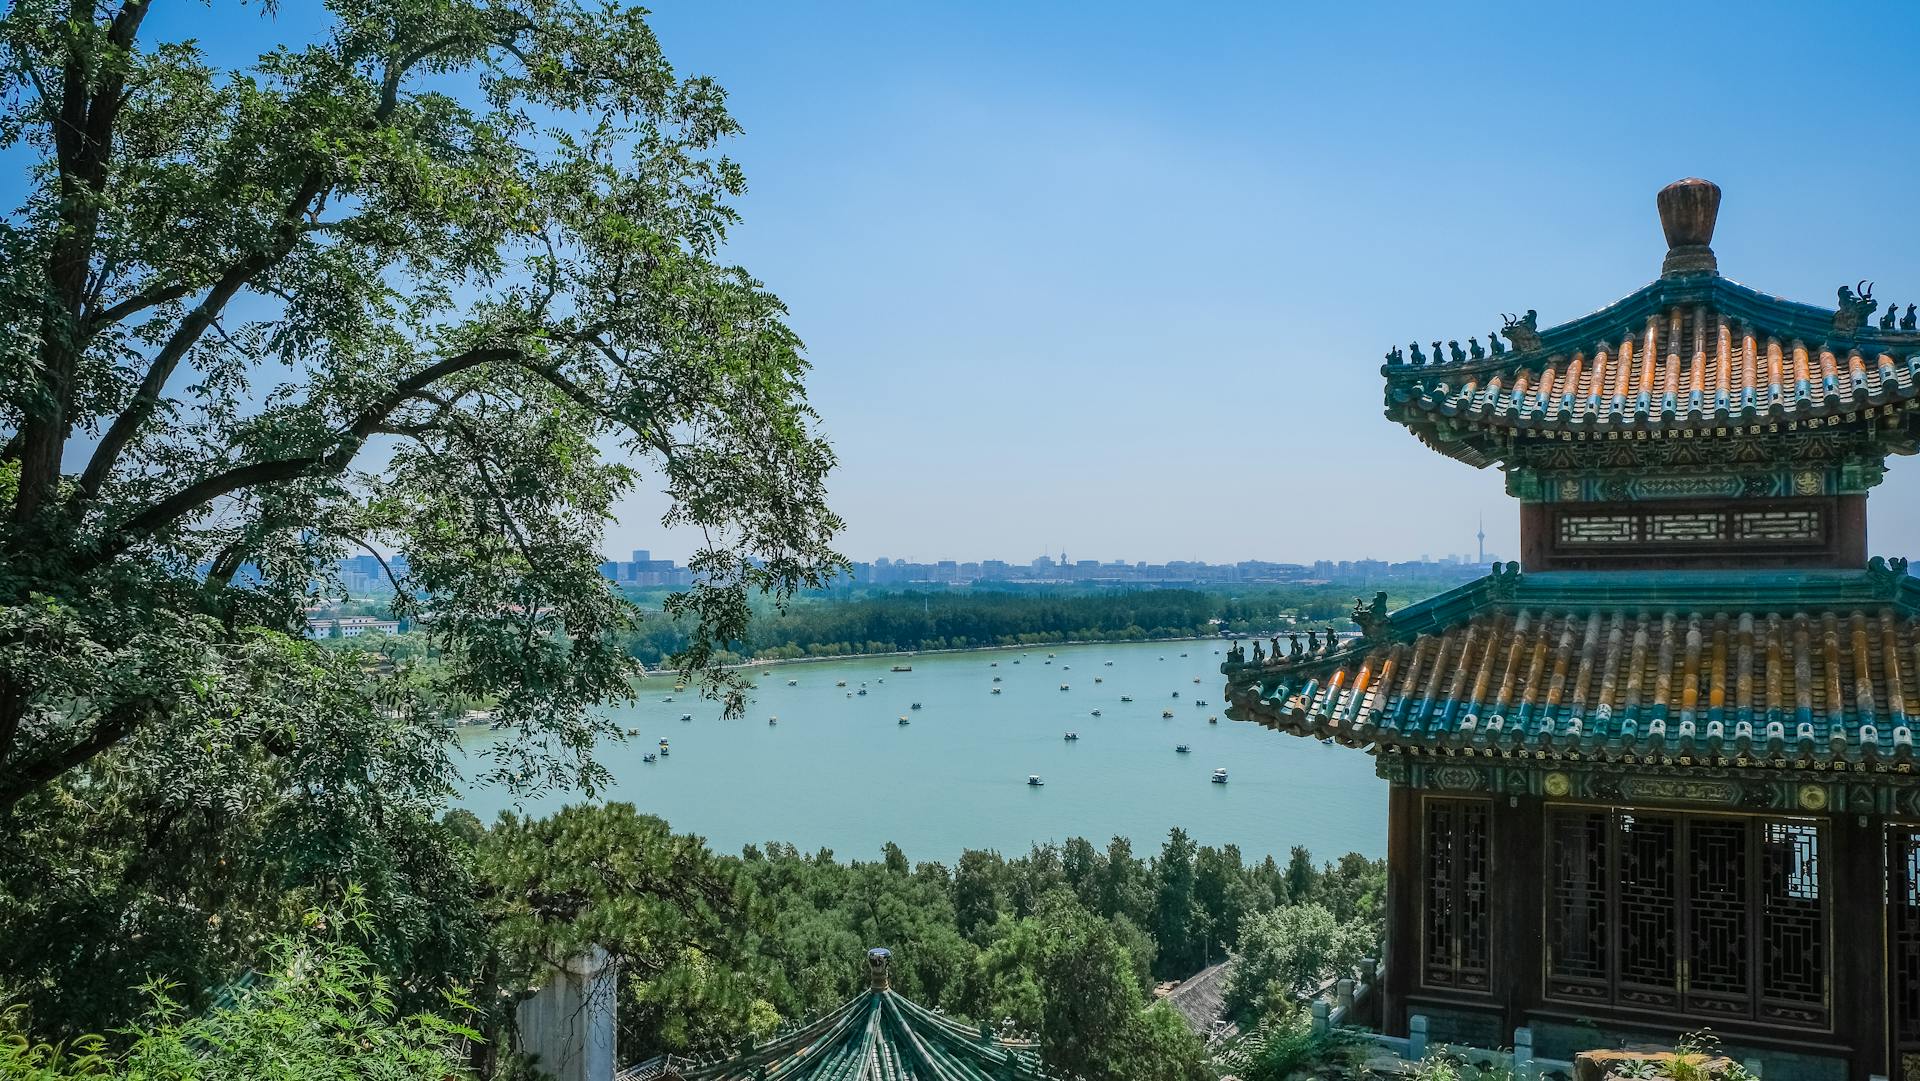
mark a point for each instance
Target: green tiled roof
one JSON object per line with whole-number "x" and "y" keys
{"x": 880, "y": 1036}
{"x": 1777, "y": 668}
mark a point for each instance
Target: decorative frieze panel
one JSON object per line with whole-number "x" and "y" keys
{"x": 1777, "y": 525}
{"x": 1727, "y": 784}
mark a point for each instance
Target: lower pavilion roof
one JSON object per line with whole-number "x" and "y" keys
{"x": 1772, "y": 668}
{"x": 880, "y": 1036}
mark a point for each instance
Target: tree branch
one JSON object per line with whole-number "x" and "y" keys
{"x": 16, "y": 783}
{"x": 127, "y": 424}
{"x": 344, "y": 446}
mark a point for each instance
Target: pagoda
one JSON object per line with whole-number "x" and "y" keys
{"x": 880, "y": 1036}
{"x": 1658, "y": 775}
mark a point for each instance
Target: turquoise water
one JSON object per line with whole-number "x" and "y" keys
{"x": 840, "y": 772}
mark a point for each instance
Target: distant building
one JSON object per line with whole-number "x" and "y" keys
{"x": 351, "y": 627}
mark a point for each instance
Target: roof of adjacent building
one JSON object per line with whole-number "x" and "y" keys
{"x": 1200, "y": 999}
{"x": 1766, "y": 668}
{"x": 880, "y": 1036}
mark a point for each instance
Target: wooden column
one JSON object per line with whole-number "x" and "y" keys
{"x": 1519, "y": 832}
{"x": 1858, "y": 968}
{"x": 1403, "y": 907}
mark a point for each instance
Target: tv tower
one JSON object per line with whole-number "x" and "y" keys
{"x": 1482, "y": 537}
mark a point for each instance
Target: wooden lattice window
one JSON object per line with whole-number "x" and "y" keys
{"x": 1903, "y": 945}
{"x": 1457, "y": 943}
{"x": 1698, "y": 915}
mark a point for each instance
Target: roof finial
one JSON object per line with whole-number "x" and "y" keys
{"x": 877, "y": 959}
{"x": 1687, "y": 212}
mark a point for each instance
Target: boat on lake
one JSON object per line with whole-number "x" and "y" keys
{"x": 1096, "y": 713}
{"x": 793, "y": 683}
{"x": 774, "y": 719}
{"x": 1182, "y": 748}
{"x": 996, "y": 690}
{"x": 1071, "y": 736}
{"x": 663, "y": 747}
{"x": 1098, "y": 679}
{"x": 996, "y": 679}
{"x": 1034, "y": 780}
{"x": 863, "y": 692}
{"x": 904, "y": 719}
{"x": 648, "y": 757}
{"x": 901, "y": 668}
{"x": 1126, "y": 698}
{"x": 1213, "y": 720}
{"x": 916, "y": 705}
{"x": 1109, "y": 664}
{"x": 1166, "y": 715}
{"x": 840, "y": 683}
{"x": 1220, "y": 776}
{"x": 633, "y": 732}
{"x": 1176, "y": 694}
{"x": 1063, "y": 686}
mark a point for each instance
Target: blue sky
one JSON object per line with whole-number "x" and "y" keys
{"x": 1117, "y": 278}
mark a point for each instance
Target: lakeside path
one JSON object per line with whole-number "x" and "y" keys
{"x": 837, "y": 770}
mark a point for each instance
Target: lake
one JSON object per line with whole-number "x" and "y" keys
{"x": 838, "y": 771}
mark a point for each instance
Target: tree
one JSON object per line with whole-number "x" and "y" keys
{"x": 1160, "y": 1047}
{"x": 666, "y": 910}
{"x": 1089, "y": 1000}
{"x": 1123, "y": 889}
{"x": 1355, "y": 888}
{"x": 1303, "y": 882}
{"x": 1288, "y": 952}
{"x": 391, "y": 289}
{"x": 1174, "y": 910}
{"x": 979, "y": 891}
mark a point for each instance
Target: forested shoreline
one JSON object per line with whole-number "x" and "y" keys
{"x": 1064, "y": 941}
{"x": 915, "y": 622}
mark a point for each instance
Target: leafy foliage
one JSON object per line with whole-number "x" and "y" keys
{"x": 202, "y": 844}
{"x": 1284, "y": 1046}
{"x": 322, "y": 1010}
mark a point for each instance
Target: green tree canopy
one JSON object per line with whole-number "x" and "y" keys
{"x": 403, "y": 287}
{"x": 1290, "y": 951}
